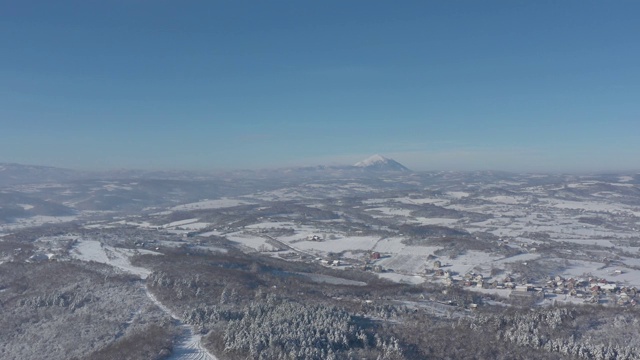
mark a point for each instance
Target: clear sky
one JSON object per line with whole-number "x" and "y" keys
{"x": 464, "y": 85}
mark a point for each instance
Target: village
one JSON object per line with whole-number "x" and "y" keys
{"x": 554, "y": 289}
{"x": 294, "y": 241}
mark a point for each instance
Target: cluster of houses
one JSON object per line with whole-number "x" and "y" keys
{"x": 40, "y": 256}
{"x": 593, "y": 290}
{"x": 329, "y": 262}
{"x": 590, "y": 290}
{"x": 472, "y": 279}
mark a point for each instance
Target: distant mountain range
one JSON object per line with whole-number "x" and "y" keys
{"x": 12, "y": 174}
{"x": 25, "y": 174}
{"x": 376, "y": 164}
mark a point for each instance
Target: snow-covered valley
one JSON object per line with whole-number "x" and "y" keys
{"x": 461, "y": 241}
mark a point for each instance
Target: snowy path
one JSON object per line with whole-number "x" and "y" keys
{"x": 189, "y": 346}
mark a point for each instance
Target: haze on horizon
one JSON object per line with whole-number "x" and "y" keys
{"x": 501, "y": 85}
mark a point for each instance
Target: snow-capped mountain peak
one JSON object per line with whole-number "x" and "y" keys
{"x": 371, "y": 160}
{"x": 379, "y": 162}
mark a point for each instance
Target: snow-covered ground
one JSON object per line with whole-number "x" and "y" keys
{"x": 593, "y": 206}
{"x": 420, "y": 201}
{"x": 179, "y": 223}
{"x": 472, "y": 261}
{"x": 338, "y": 245}
{"x": 328, "y": 279}
{"x": 504, "y": 199}
{"x": 394, "y": 245}
{"x": 630, "y": 276}
{"x": 37, "y": 220}
{"x": 251, "y": 241}
{"x": 434, "y": 221}
{"x": 401, "y": 278}
{"x": 388, "y": 211}
{"x": 522, "y": 214}
{"x": 189, "y": 344}
{"x": 212, "y": 204}
{"x": 404, "y": 263}
{"x": 210, "y": 233}
{"x": 92, "y": 250}
{"x": 516, "y": 259}
{"x": 458, "y": 194}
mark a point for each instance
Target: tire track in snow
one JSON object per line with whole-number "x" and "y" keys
{"x": 189, "y": 347}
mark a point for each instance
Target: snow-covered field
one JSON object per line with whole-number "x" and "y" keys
{"x": 434, "y": 221}
{"x": 593, "y": 206}
{"x": 629, "y": 276}
{"x": 363, "y": 243}
{"x": 388, "y": 211}
{"x": 458, "y": 194}
{"x": 404, "y": 263}
{"x": 37, "y": 220}
{"x": 504, "y": 199}
{"x": 402, "y": 278}
{"x": 92, "y": 250}
{"x": 328, "y": 279}
{"x": 251, "y": 241}
{"x": 472, "y": 261}
{"x": 179, "y": 223}
{"x": 421, "y": 201}
{"x": 211, "y": 204}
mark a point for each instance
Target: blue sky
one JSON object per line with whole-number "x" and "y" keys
{"x": 437, "y": 85}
